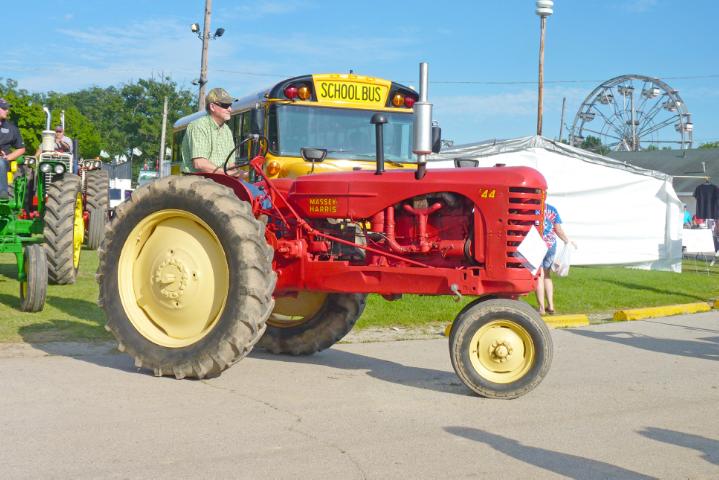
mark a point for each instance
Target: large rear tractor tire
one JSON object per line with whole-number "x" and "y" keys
{"x": 186, "y": 277}
{"x": 64, "y": 229}
{"x": 97, "y": 197}
{"x": 500, "y": 348}
{"x": 33, "y": 289}
{"x": 311, "y": 322}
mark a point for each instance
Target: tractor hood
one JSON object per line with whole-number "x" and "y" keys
{"x": 361, "y": 194}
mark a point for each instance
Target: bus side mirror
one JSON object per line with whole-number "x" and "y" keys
{"x": 257, "y": 120}
{"x": 436, "y": 138}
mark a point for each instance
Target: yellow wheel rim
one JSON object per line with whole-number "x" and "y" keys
{"x": 502, "y": 351}
{"x": 292, "y": 311}
{"x": 173, "y": 278}
{"x": 78, "y": 231}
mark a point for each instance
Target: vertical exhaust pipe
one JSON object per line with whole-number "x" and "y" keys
{"x": 422, "y": 123}
{"x": 378, "y": 120}
{"x": 48, "y": 136}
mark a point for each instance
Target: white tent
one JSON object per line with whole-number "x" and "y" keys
{"x": 618, "y": 214}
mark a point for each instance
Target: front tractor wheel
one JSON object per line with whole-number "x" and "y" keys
{"x": 64, "y": 229}
{"x": 186, "y": 277}
{"x": 97, "y": 204}
{"x": 500, "y": 348}
{"x": 33, "y": 289}
{"x": 311, "y": 321}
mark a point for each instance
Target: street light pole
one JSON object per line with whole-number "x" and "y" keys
{"x": 544, "y": 9}
{"x": 203, "y": 61}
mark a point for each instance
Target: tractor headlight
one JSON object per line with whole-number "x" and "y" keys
{"x": 30, "y": 161}
{"x": 45, "y": 168}
{"x": 59, "y": 169}
{"x": 97, "y": 164}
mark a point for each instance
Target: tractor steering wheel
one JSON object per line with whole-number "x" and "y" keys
{"x": 233, "y": 168}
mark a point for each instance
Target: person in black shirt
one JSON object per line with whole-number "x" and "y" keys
{"x": 11, "y": 145}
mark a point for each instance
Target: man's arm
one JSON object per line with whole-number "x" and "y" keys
{"x": 14, "y": 154}
{"x": 203, "y": 165}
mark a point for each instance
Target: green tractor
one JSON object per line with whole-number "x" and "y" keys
{"x": 35, "y": 226}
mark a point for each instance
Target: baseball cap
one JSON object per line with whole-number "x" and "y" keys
{"x": 4, "y": 104}
{"x": 219, "y": 95}
{"x": 59, "y": 128}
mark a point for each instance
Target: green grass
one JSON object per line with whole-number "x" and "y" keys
{"x": 585, "y": 290}
{"x": 71, "y": 312}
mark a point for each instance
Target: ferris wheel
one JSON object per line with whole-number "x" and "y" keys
{"x": 631, "y": 113}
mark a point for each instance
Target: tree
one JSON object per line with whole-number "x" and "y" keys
{"x": 709, "y": 145}
{"x": 25, "y": 113}
{"x": 142, "y": 112}
{"x": 77, "y": 125}
{"x": 594, "y": 144}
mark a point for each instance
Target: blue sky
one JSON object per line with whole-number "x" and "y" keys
{"x": 492, "y": 46}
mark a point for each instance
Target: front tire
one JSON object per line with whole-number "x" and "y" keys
{"x": 186, "y": 277}
{"x": 33, "y": 289}
{"x": 64, "y": 229}
{"x": 500, "y": 348}
{"x": 311, "y": 322}
{"x": 97, "y": 198}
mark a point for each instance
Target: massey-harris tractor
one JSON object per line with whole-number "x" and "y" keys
{"x": 193, "y": 268}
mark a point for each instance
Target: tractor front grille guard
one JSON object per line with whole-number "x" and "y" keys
{"x": 526, "y": 210}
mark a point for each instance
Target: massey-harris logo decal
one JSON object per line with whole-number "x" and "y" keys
{"x": 323, "y": 205}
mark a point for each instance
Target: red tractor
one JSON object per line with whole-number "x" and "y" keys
{"x": 195, "y": 270}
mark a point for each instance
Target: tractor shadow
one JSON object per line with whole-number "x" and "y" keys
{"x": 564, "y": 464}
{"x": 706, "y": 348}
{"x": 709, "y": 448}
{"x": 417, "y": 377}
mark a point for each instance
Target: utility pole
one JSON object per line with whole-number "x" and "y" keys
{"x": 161, "y": 159}
{"x": 203, "y": 61}
{"x": 561, "y": 120}
{"x": 544, "y": 9}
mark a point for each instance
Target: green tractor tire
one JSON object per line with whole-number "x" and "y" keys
{"x": 311, "y": 321}
{"x": 97, "y": 203}
{"x": 64, "y": 229}
{"x": 33, "y": 289}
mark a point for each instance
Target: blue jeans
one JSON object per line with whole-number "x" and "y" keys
{"x": 4, "y": 168}
{"x": 256, "y": 191}
{"x": 549, "y": 257}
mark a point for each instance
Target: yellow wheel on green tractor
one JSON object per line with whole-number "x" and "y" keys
{"x": 500, "y": 348}
{"x": 186, "y": 287}
{"x": 78, "y": 236}
{"x": 305, "y": 322}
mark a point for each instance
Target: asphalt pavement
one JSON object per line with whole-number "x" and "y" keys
{"x": 622, "y": 400}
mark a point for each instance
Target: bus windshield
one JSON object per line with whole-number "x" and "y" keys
{"x": 346, "y": 134}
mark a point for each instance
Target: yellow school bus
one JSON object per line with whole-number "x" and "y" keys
{"x": 330, "y": 111}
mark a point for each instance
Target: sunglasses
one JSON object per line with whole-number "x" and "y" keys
{"x": 223, "y": 105}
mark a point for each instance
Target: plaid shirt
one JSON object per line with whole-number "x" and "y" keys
{"x": 205, "y": 139}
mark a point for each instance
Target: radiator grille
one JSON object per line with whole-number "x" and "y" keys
{"x": 525, "y": 209}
